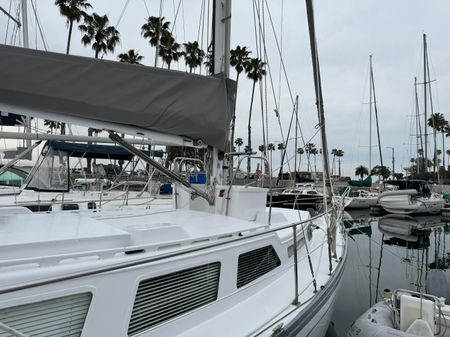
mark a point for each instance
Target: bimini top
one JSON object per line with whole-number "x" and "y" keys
{"x": 97, "y": 151}
{"x": 161, "y": 100}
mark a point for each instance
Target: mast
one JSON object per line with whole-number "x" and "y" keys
{"x": 425, "y": 100}
{"x": 370, "y": 114}
{"x": 221, "y": 64}
{"x": 26, "y": 45}
{"x": 296, "y": 135}
{"x": 318, "y": 91}
{"x": 376, "y": 111}
{"x": 418, "y": 128}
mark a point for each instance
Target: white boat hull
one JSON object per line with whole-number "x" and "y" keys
{"x": 362, "y": 202}
{"x": 406, "y": 202}
{"x": 322, "y": 308}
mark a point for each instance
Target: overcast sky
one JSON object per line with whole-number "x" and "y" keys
{"x": 347, "y": 32}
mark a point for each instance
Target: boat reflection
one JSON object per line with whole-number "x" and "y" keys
{"x": 405, "y": 231}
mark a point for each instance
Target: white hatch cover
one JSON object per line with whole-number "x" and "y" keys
{"x": 34, "y": 235}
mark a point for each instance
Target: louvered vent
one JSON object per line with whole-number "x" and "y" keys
{"x": 63, "y": 316}
{"x": 161, "y": 298}
{"x": 256, "y": 263}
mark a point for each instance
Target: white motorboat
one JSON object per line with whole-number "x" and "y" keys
{"x": 408, "y": 202}
{"x": 404, "y": 313}
{"x": 220, "y": 263}
{"x": 359, "y": 199}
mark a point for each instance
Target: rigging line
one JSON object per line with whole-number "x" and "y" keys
{"x": 261, "y": 30}
{"x": 176, "y": 15}
{"x": 258, "y": 40}
{"x": 262, "y": 96}
{"x": 279, "y": 52}
{"x": 200, "y": 19}
{"x": 122, "y": 13}
{"x": 161, "y": 5}
{"x": 146, "y": 7}
{"x": 270, "y": 72}
{"x": 203, "y": 25}
{"x": 44, "y": 42}
{"x": 8, "y": 21}
{"x": 300, "y": 129}
{"x": 254, "y": 26}
{"x": 265, "y": 112}
{"x": 182, "y": 17}
{"x": 285, "y": 142}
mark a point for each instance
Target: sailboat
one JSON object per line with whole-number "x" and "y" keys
{"x": 422, "y": 200}
{"x": 361, "y": 198}
{"x": 220, "y": 264}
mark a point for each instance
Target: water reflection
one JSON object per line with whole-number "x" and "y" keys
{"x": 393, "y": 251}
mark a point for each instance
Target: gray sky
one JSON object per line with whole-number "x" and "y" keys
{"x": 347, "y": 32}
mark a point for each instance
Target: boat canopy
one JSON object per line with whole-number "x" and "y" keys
{"x": 361, "y": 183}
{"x": 112, "y": 152}
{"x": 160, "y": 100}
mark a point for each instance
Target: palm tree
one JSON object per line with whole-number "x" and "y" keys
{"x": 339, "y": 154}
{"x": 130, "y": 57}
{"x": 309, "y": 149}
{"x": 255, "y": 71}
{"x": 238, "y": 59}
{"x": 73, "y": 10}
{"x": 52, "y": 125}
{"x": 97, "y": 31}
{"x": 361, "y": 171}
{"x": 382, "y": 171}
{"x": 193, "y": 55}
{"x": 153, "y": 30}
{"x": 300, "y": 151}
{"x": 169, "y": 49}
{"x": 239, "y": 142}
{"x": 281, "y": 147}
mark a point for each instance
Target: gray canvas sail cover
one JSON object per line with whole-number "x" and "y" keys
{"x": 166, "y": 101}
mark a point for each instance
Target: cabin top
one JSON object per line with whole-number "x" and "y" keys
{"x": 50, "y": 238}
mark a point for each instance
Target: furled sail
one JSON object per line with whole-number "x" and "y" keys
{"x": 161, "y": 100}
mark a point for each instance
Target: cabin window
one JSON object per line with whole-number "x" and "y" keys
{"x": 256, "y": 263}
{"x": 164, "y": 297}
{"x": 63, "y": 316}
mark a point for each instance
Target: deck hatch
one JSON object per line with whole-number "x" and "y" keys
{"x": 256, "y": 263}
{"x": 164, "y": 297}
{"x": 63, "y": 316}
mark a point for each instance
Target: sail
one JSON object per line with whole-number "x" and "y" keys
{"x": 166, "y": 101}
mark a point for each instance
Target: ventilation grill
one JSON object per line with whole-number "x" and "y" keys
{"x": 256, "y": 263}
{"x": 164, "y": 297}
{"x": 62, "y": 316}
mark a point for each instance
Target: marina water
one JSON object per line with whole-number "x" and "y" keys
{"x": 390, "y": 253}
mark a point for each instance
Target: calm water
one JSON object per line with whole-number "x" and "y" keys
{"x": 394, "y": 253}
